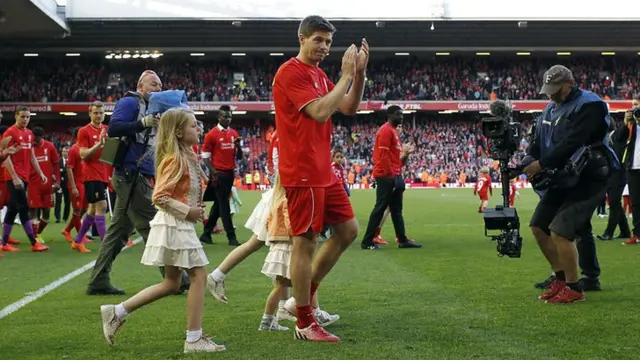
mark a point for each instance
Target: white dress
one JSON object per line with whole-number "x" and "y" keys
{"x": 277, "y": 261}
{"x": 173, "y": 241}
{"x": 257, "y": 222}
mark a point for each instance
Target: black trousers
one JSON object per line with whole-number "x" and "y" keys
{"x": 587, "y": 255}
{"x": 220, "y": 207}
{"x": 616, "y": 213}
{"x": 633, "y": 179}
{"x": 602, "y": 207}
{"x": 60, "y": 196}
{"x": 387, "y": 195}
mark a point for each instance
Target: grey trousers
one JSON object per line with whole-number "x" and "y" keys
{"x": 137, "y": 215}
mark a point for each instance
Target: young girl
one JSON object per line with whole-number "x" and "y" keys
{"x": 276, "y": 266}
{"x": 173, "y": 242}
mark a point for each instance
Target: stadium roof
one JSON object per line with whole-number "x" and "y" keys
{"x": 175, "y": 35}
{"x": 25, "y": 19}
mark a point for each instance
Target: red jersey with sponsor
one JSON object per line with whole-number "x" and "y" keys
{"x": 386, "y": 152}
{"x": 75, "y": 164}
{"x": 339, "y": 171}
{"x": 49, "y": 161}
{"x": 22, "y": 159}
{"x": 304, "y": 156}
{"x": 483, "y": 185}
{"x": 220, "y": 143}
{"x": 513, "y": 190}
{"x": 272, "y": 153}
{"x": 93, "y": 169}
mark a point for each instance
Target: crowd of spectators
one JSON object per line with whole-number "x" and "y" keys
{"x": 445, "y": 145}
{"x": 250, "y": 78}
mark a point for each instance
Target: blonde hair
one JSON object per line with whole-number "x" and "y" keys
{"x": 168, "y": 146}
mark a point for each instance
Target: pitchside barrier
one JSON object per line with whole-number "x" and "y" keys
{"x": 519, "y": 185}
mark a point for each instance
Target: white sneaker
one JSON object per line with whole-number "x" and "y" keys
{"x": 110, "y": 322}
{"x": 204, "y": 344}
{"x": 217, "y": 289}
{"x": 284, "y": 314}
{"x": 324, "y": 318}
{"x": 271, "y": 326}
{"x": 290, "y": 306}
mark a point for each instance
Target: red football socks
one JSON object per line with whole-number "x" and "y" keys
{"x": 305, "y": 316}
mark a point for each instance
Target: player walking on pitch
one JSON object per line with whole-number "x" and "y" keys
{"x": 304, "y": 100}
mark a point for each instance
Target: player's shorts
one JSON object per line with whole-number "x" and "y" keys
{"x": 484, "y": 197}
{"x": 78, "y": 202}
{"x": 40, "y": 197}
{"x": 95, "y": 191}
{"x": 310, "y": 208}
{"x": 4, "y": 194}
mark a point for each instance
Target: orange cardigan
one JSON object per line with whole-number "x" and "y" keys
{"x": 173, "y": 198}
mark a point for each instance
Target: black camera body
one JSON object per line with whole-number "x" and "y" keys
{"x": 565, "y": 177}
{"x": 504, "y": 136}
{"x": 502, "y": 132}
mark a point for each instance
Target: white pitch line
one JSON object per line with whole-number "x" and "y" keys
{"x": 31, "y": 297}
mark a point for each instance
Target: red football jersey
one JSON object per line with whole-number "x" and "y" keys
{"x": 219, "y": 144}
{"x": 272, "y": 153}
{"x": 75, "y": 164}
{"x": 339, "y": 171}
{"x": 93, "y": 169}
{"x": 483, "y": 185}
{"x": 304, "y": 156}
{"x": 386, "y": 152}
{"x": 22, "y": 159}
{"x": 49, "y": 161}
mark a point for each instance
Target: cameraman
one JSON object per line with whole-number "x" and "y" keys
{"x": 631, "y": 163}
{"x": 572, "y": 120}
{"x": 617, "y": 217}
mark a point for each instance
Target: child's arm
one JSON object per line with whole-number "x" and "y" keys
{"x": 164, "y": 189}
{"x": 236, "y": 197}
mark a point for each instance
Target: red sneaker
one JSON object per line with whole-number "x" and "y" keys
{"x": 67, "y": 236}
{"x": 555, "y": 288}
{"x": 315, "y": 333}
{"x": 13, "y": 241}
{"x": 9, "y": 248}
{"x": 633, "y": 240}
{"x": 566, "y": 296}
{"x": 39, "y": 247}
{"x": 379, "y": 240}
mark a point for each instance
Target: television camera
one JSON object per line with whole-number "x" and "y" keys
{"x": 503, "y": 139}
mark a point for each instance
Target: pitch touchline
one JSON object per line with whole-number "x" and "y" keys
{"x": 31, "y": 297}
